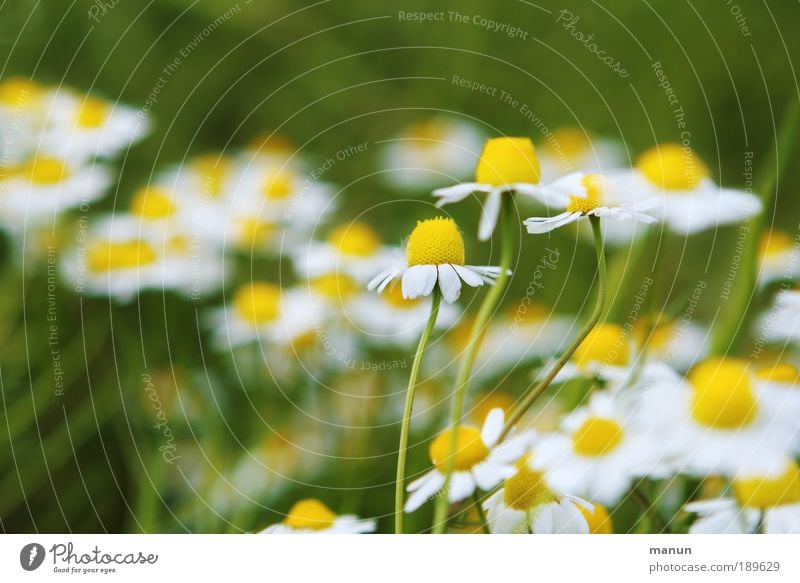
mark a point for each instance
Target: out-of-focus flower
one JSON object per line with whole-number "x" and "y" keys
{"x": 506, "y": 166}
{"x": 781, "y": 323}
{"x": 310, "y": 516}
{"x": 569, "y": 149}
{"x": 583, "y": 195}
{"x": 21, "y": 117}
{"x": 528, "y": 504}
{"x": 480, "y": 461}
{"x": 430, "y": 153}
{"x": 769, "y": 499}
{"x": 434, "y": 256}
{"x": 779, "y": 257}
{"x": 599, "y": 451}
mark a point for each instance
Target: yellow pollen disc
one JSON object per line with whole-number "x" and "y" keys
{"x": 470, "y": 449}
{"x": 782, "y": 372}
{"x": 508, "y": 161}
{"x": 310, "y": 514}
{"x": 253, "y": 230}
{"x": 335, "y": 286}
{"x": 435, "y": 242}
{"x": 526, "y": 489}
{"x": 274, "y": 144}
{"x": 723, "y": 397}
{"x": 92, "y": 113}
{"x": 572, "y": 142}
{"x": 152, "y": 202}
{"x": 357, "y": 239}
{"x": 45, "y": 170}
{"x": 212, "y": 170}
{"x": 672, "y": 167}
{"x": 764, "y": 492}
{"x": 593, "y": 183}
{"x": 429, "y": 132}
{"x": 257, "y": 303}
{"x": 599, "y": 521}
{"x": 597, "y": 436}
{"x": 606, "y": 344}
{"x": 19, "y": 92}
{"x": 494, "y": 400}
{"x": 278, "y": 185}
{"x": 774, "y": 243}
{"x": 393, "y": 295}
{"x": 104, "y": 256}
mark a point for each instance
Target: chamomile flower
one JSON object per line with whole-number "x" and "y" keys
{"x": 431, "y": 152}
{"x": 480, "y": 461}
{"x": 723, "y": 420}
{"x": 599, "y": 451}
{"x": 688, "y": 200}
{"x": 354, "y": 249}
{"x": 528, "y": 504}
{"x": 570, "y": 148}
{"x": 781, "y": 323}
{"x": 434, "y": 256}
{"x": 85, "y": 126}
{"x": 581, "y": 195}
{"x": 770, "y": 499}
{"x": 779, "y": 257}
{"x": 262, "y": 311}
{"x": 506, "y": 166}
{"x": 608, "y": 351}
{"x": 41, "y": 187}
{"x": 310, "y": 516}
{"x": 21, "y": 117}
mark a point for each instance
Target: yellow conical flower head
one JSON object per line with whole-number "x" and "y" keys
{"x": 356, "y": 239}
{"x": 672, "y": 167}
{"x": 768, "y": 492}
{"x": 606, "y": 344}
{"x": 258, "y": 303}
{"x": 311, "y": 514}
{"x": 723, "y": 396}
{"x": 470, "y": 449}
{"x": 435, "y": 242}
{"x": 508, "y": 161}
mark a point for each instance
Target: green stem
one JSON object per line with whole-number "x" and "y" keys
{"x": 650, "y": 510}
{"x": 475, "y": 339}
{"x": 536, "y": 392}
{"x": 402, "y": 450}
{"x": 481, "y": 514}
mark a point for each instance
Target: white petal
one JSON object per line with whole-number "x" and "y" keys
{"x": 419, "y": 280}
{"x": 491, "y": 210}
{"x": 457, "y": 193}
{"x": 461, "y": 486}
{"x": 539, "y": 225}
{"x": 471, "y": 278}
{"x": 449, "y": 283}
{"x": 492, "y": 427}
{"x": 425, "y": 491}
{"x": 380, "y": 279}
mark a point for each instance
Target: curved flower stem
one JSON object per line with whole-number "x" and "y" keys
{"x": 536, "y": 392}
{"x": 402, "y": 450}
{"x": 475, "y": 339}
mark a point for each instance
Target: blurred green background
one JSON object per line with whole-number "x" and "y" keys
{"x": 329, "y": 75}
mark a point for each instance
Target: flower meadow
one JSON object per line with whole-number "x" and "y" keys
{"x": 527, "y": 332}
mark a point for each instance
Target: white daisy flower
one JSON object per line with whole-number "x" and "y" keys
{"x": 42, "y": 187}
{"x": 528, "y": 504}
{"x": 21, "y": 117}
{"x": 772, "y": 500}
{"x": 569, "y": 149}
{"x": 480, "y": 461}
{"x": 723, "y": 421}
{"x": 688, "y": 200}
{"x": 781, "y": 323}
{"x": 354, "y": 249}
{"x": 261, "y": 311}
{"x": 431, "y": 152}
{"x": 582, "y": 195}
{"x": 310, "y": 516}
{"x": 506, "y": 166}
{"x": 434, "y": 256}
{"x": 779, "y": 257}
{"x": 599, "y": 451}
{"x": 84, "y": 126}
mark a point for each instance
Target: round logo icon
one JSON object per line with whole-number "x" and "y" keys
{"x": 31, "y": 556}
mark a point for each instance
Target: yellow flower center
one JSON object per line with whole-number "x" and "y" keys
{"x": 274, "y": 144}
{"x": 774, "y": 243}
{"x": 258, "y": 303}
{"x": 527, "y": 488}
{"x": 672, "y": 167}
{"x": 597, "y": 436}
{"x": 494, "y": 400}
{"x": 335, "y": 286}
{"x": 393, "y": 295}
{"x": 278, "y": 185}
{"x": 356, "y": 239}
{"x": 593, "y": 183}
{"x": 45, "y": 170}
{"x": 435, "y": 242}
{"x": 104, "y": 256}
{"x": 764, "y": 492}
{"x": 92, "y": 112}
{"x": 782, "y": 372}
{"x": 310, "y": 514}
{"x": 253, "y": 230}
{"x": 470, "y": 449}
{"x": 153, "y": 202}
{"x": 429, "y": 132}
{"x": 19, "y": 92}
{"x": 605, "y": 344}
{"x": 599, "y": 521}
{"x": 723, "y": 397}
{"x": 508, "y": 161}
{"x": 212, "y": 170}
{"x": 572, "y": 142}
